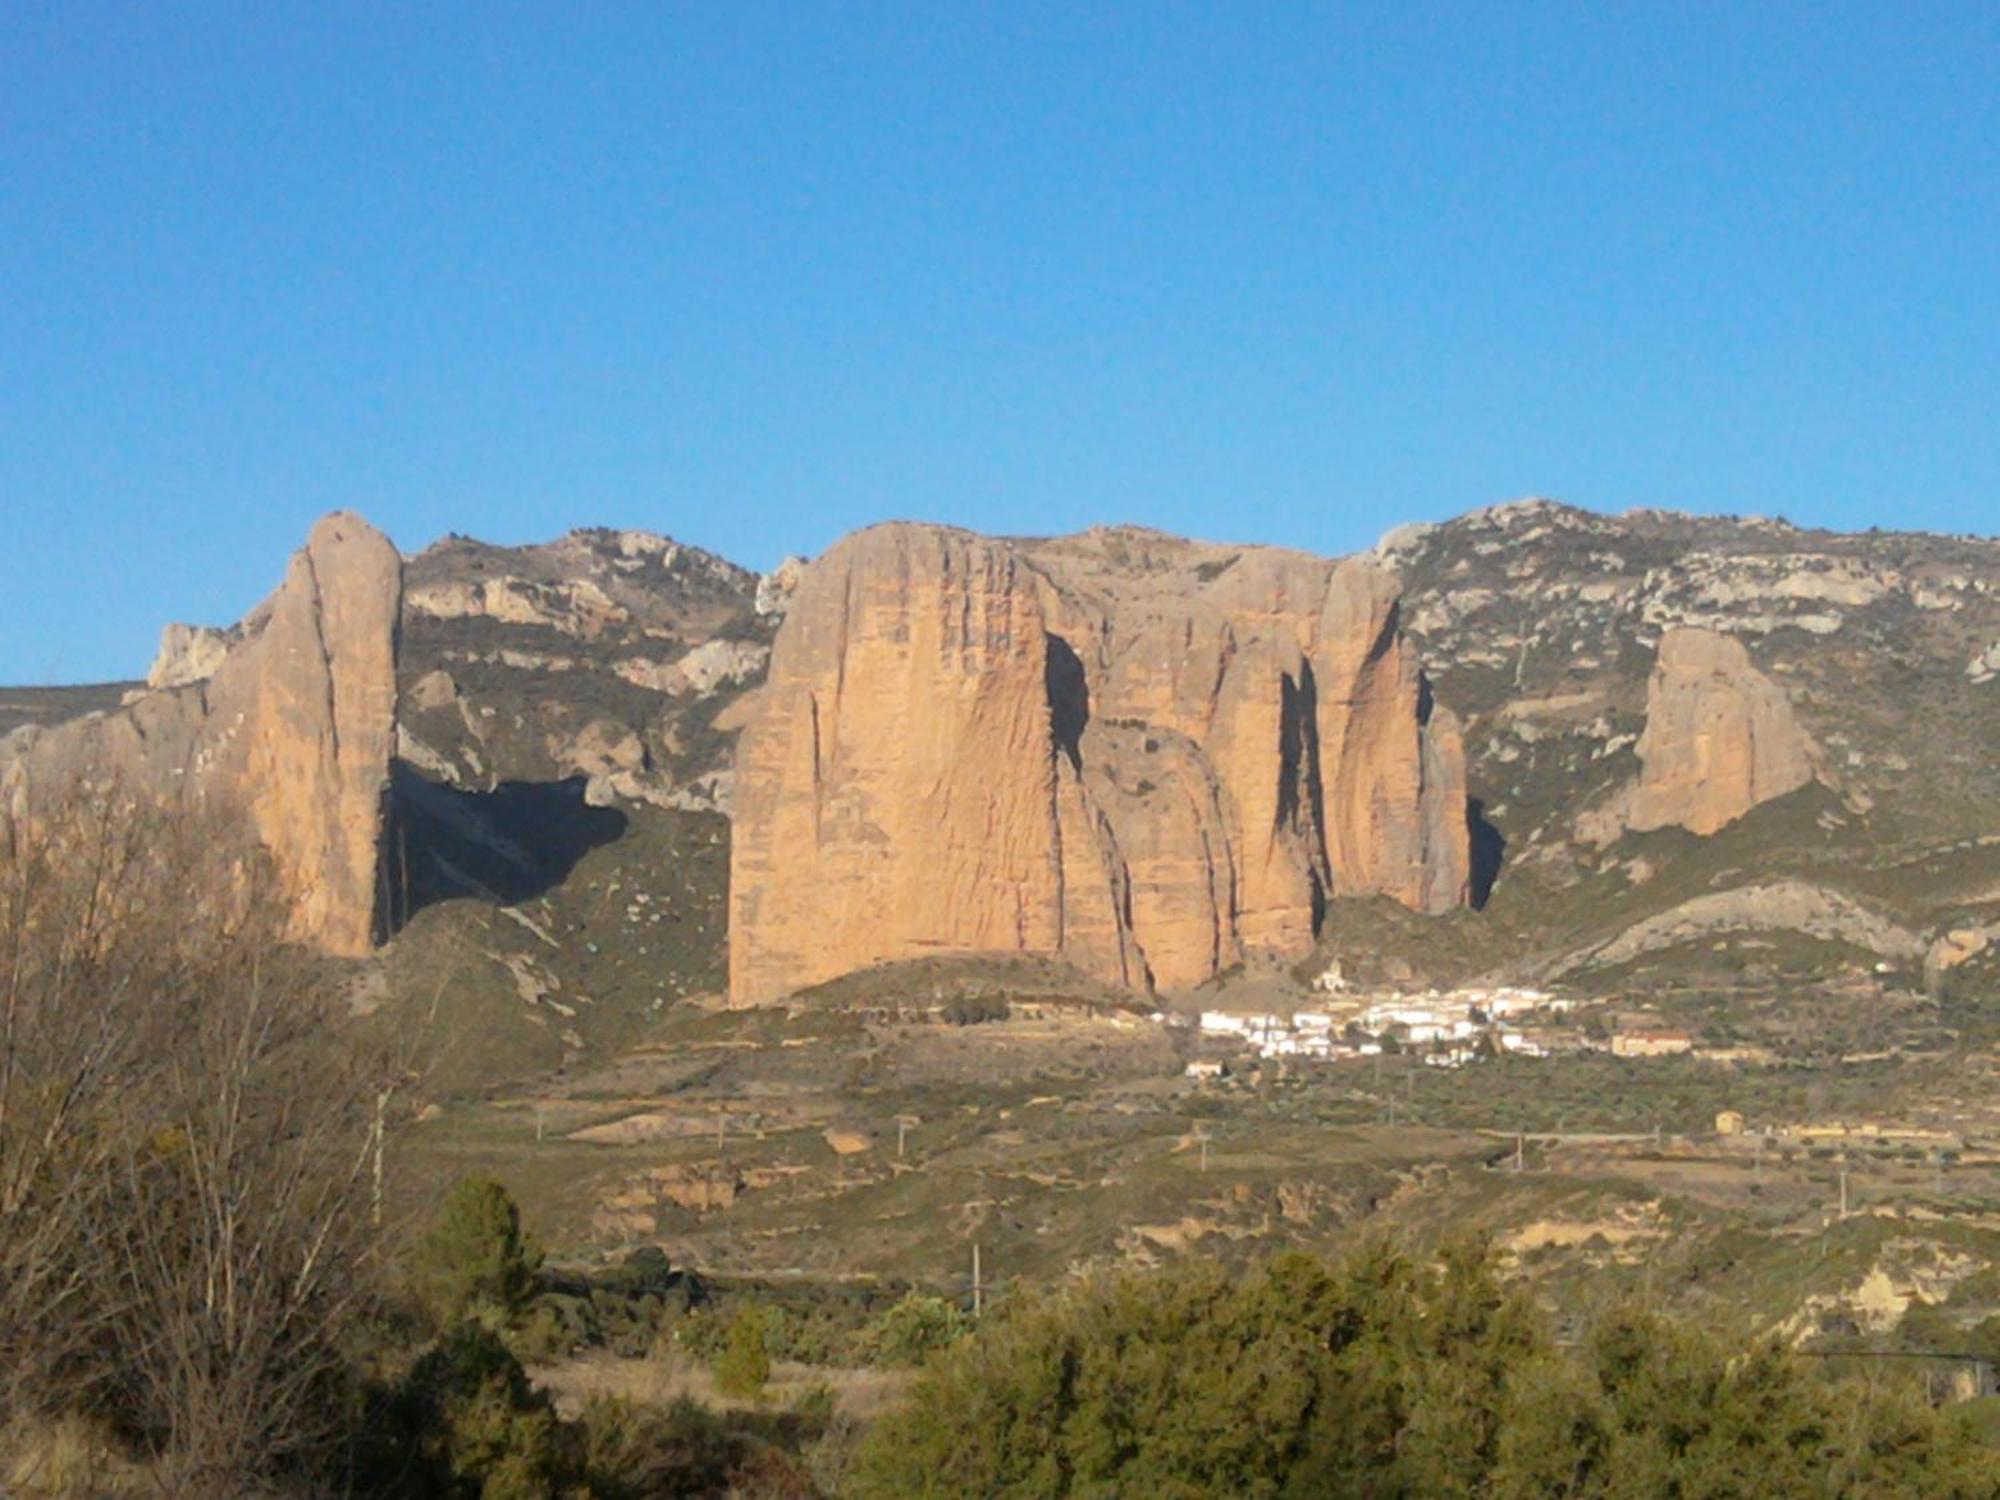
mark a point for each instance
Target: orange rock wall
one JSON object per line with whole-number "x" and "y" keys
{"x": 1720, "y": 737}
{"x": 295, "y": 728}
{"x": 1126, "y": 759}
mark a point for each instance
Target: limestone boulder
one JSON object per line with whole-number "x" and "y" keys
{"x": 701, "y": 671}
{"x": 1959, "y": 945}
{"x": 775, "y": 588}
{"x": 188, "y": 653}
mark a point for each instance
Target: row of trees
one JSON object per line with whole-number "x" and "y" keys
{"x": 1387, "y": 1375}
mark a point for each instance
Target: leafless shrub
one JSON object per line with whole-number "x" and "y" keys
{"x": 185, "y": 1144}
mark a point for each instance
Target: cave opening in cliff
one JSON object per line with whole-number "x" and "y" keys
{"x": 1489, "y": 844}
{"x": 1069, "y": 698}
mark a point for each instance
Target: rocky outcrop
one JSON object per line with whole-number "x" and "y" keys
{"x": 897, "y": 789}
{"x": 511, "y": 654}
{"x": 188, "y": 653}
{"x": 594, "y": 586}
{"x": 775, "y": 588}
{"x": 1957, "y": 946}
{"x": 577, "y": 607}
{"x": 1139, "y": 755}
{"x": 1781, "y": 905}
{"x": 1720, "y": 738}
{"x": 709, "y": 666}
{"x": 1392, "y": 758}
{"x": 292, "y": 729}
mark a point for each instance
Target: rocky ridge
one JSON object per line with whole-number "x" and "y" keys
{"x": 1773, "y": 704}
{"x": 567, "y": 737}
{"x": 602, "y": 655}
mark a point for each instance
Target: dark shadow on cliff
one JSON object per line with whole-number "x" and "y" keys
{"x": 1298, "y": 777}
{"x": 1488, "y": 845}
{"x": 1069, "y": 699}
{"x": 514, "y": 843}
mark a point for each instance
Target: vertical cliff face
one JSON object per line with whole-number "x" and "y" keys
{"x": 1392, "y": 761}
{"x": 898, "y": 786}
{"x": 302, "y": 723}
{"x": 1720, "y": 736}
{"x": 292, "y": 728}
{"x": 1118, "y": 750}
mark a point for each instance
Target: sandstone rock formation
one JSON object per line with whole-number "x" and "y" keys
{"x": 1141, "y": 755}
{"x": 292, "y": 729}
{"x": 1393, "y": 760}
{"x": 1720, "y": 738}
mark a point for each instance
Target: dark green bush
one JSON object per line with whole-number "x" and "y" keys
{"x": 476, "y": 1262}
{"x": 635, "y": 1452}
{"x": 1385, "y": 1375}
{"x": 743, "y": 1366}
{"x": 475, "y": 1428}
{"x": 975, "y": 1010}
{"x": 912, "y": 1330}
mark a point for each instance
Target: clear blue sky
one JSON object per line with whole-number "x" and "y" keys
{"x": 755, "y": 274}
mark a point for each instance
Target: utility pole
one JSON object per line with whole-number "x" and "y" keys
{"x": 538, "y": 1124}
{"x": 1520, "y": 1150}
{"x": 1843, "y": 1190}
{"x": 902, "y": 1134}
{"x": 720, "y": 1123}
{"x": 1203, "y": 1138}
{"x": 978, "y": 1290}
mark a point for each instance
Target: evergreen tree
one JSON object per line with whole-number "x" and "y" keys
{"x": 743, "y": 1368}
{"x": 476, "y": 1262}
